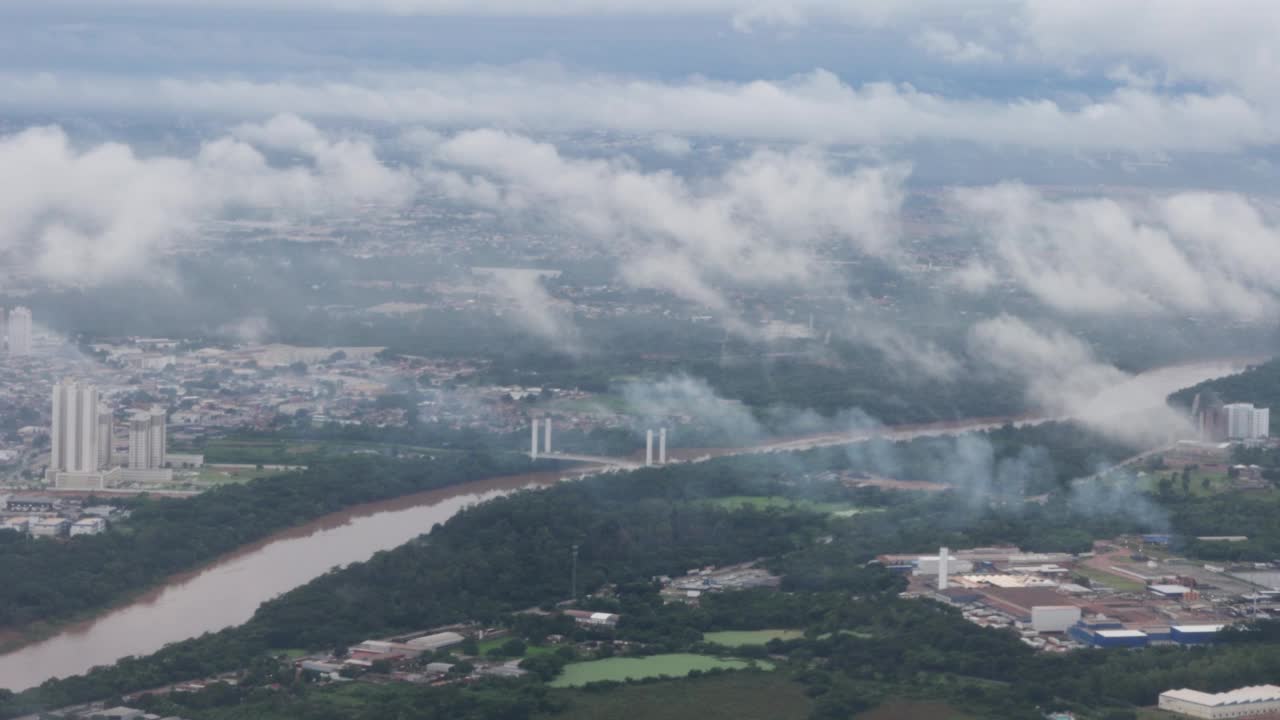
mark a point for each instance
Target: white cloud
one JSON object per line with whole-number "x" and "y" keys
{"x": 760, "y": 223}
{"x": 1187, "y": 252}
{"x": 946, "y": 46}
{"x": 672, "y": 145}
{"x": 811, "y": 107}
{"x": 1064, "y": 378}
{"x": 82, "y": 215}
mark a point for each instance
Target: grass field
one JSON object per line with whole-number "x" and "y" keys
{"x": 738, "y": 638}
{"x": 619, "y": 669}
{"x": 286, "y": 452}
{"x": 1118, "y": 582}
{"x": 529, "y": 650}
{"x": 733, "y": 696}
{"x": 231, "y": 475}
{"x": 914, "y": 710}
{"x": 760, "y": 502}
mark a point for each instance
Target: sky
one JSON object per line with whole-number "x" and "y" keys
{"x": 1107, "y": 157}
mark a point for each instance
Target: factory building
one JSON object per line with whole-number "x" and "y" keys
{"x": 1242, "y": 702}
{"x": 1194, "y": 634}
{"x": 88, "y": 526}
{"x": 1107, "y": 634}
{"x": 436, "y": 641}
{"x": 1054, "y": 618}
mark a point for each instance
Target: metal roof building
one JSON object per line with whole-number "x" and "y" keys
{"x": 1242, "y": 702}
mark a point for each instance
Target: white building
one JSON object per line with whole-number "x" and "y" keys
{"x": 1242, "y": 702}
{"x": 147, "y": 441}
{"x": 75, "y": 428}
{"x": 47, "y": 527}
{"x": 20, "y": 331}
{"x": 1245, "y": 422}
{"x": 88, "y": 526}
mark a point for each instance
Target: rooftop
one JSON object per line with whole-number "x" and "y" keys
{"x": 1239, "y": 696}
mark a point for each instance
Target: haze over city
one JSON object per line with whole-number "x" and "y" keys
{"x": 749, "y": 359}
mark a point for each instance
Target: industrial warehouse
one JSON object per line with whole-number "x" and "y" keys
{"x": 1243, "y": 702}
{"x": 1125, "y": 594}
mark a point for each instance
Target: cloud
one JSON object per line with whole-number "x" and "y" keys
{"x": 816, "y": 106}
{"x": 1192, "y": 252}
{"x": 760, "y": 223}
{"x": 536, "y": 311}
{"x": 672, "y": 145}
{"x": 948, "y": 47}
{"x": 1063, "y": 378}
{"x": 82, "y": 215}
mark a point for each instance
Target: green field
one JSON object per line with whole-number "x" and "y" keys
{"x": 733, "y": 696}
{"x": 738, "y": 638}
{"x": 1117, "y": 582}
{"x": 299, "y": 452}
{"x": 230, "y": 475}
{"x": 529, "y": 650}
{"x": 620, "y": 669}
{"x": 761, "y": 502}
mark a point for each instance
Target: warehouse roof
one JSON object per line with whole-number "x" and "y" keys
{"x": 1198, "y": 628}
{"x": 1120, "y": 633}
{"x": 1240, "y": 696}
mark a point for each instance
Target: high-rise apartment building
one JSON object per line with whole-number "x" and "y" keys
{"x": 20, "y": 331}
{"x": 1245, "y": 422}
{"x": 147, "y": 443}
{"x": 75, "y": 429}
{"x": 104, "y": 437}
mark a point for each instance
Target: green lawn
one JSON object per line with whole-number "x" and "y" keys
{"x": 619, "y": 669}
{"x": 761, "y": 502}
{"x": 231, "y": 475}
{"x": 529, "y": 650}
{"x": 738, "y": 638}
{"x": 1118, "y": 582}
{"x": 733, "y": 696}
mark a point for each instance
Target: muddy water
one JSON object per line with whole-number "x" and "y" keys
{"x": 227, "y": 592}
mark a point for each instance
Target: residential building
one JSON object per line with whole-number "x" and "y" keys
{"x": 75, "y": 428}
{"x": 1245, "y": 422}
{"x": 19, "y": 331}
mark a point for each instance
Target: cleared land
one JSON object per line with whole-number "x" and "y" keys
{"x": 738, "y": 638}
{"x": 619, "y": 669}
{"x": 733, "y": 696}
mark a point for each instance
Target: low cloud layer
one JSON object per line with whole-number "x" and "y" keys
{"x": 816, "y": 106}
{"x": 1203, "y": 253}
{"x": 758, "y": 224}
{"x": 82, "y": 215}
{"x": 1064, "y": 378}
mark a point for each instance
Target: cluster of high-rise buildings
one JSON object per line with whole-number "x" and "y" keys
{"x": 81, "y": 437}
{"x": 16, "y": 330}
{"x": 1217, "y": 422}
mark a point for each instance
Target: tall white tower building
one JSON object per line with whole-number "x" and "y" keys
{"x": 75, "y": 428}
{"x": 20, "y": 331}
{"x": 159, "y": 441}
{"x": 147, "y": 444}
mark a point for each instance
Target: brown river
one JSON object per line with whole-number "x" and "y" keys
{"x": 229, "y": 590}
